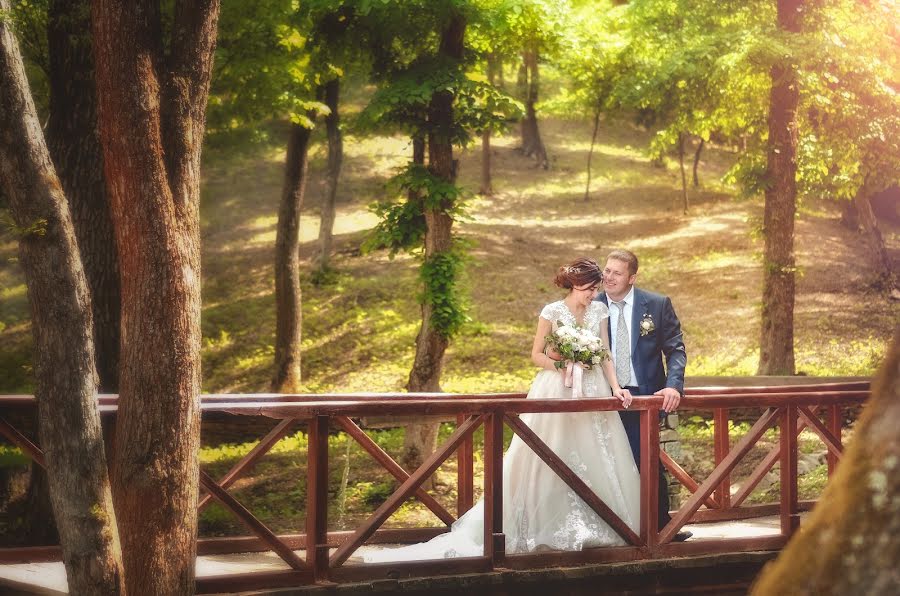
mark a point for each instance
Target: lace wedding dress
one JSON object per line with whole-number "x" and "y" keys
{"x": 540, "y": 511}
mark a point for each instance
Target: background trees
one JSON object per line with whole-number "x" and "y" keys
{"x": 62, "y": 326}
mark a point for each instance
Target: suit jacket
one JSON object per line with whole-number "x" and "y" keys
{"x": 659, "y": 357}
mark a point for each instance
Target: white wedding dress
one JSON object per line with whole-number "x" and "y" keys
{"x": 540, "y": 511}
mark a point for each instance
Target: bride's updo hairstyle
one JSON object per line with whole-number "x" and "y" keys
{"x": 579, "y": 273}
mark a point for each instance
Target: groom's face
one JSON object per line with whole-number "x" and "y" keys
{"x": 617, "y": 280}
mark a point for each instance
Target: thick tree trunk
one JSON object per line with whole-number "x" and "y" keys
{"x": 587, "y": 187}
{"x": 335, "y": 159}
{"x": 532, "y": 145}
{"x": 288, "y": 298}
{"x": 431, "y": 344}
{"x": 849, "y": 544}
{"x": 74, "y": 144}
{"x": 152, "y": 111}
{"x": 68, "y": 419}
{"x": 776, "y": 353}
{"x": 880, "y": 257}
{"x": 697, "y": 161}
{"x": 684, "y": 193}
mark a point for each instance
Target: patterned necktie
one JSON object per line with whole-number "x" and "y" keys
{"x": 623, "y": 348}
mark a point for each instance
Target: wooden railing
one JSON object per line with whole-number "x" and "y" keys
{"x": 327, "y": 552}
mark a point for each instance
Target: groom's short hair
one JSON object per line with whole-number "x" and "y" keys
{"x": 627, "y": 257}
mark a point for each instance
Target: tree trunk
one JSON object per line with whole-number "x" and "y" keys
{"x": 684, "y": 195}
{"x": 487, "y": 189}
{"x": 288, "y": 297}
{"x": 68, "y": 418}
{"x": 849, "y": 544}
{"x": 152, "y": 111}
{"x": 335, "y": 159}
{"x": 587, "y": 187}
{"x": 776, "y": 353}
{"x": 880, "y": 257}
{"x": 425, "y": 375}
{"x": 74, "y": 144}
{"x": 697, "y": 161}
{"x": 532, "y": 145}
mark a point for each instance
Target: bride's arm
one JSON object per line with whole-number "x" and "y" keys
{"x": 537, "y": 349}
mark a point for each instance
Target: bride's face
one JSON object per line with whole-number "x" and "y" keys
{"x": 584, "y": 295}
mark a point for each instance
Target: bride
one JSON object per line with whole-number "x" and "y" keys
{"x": 541, "y": 512}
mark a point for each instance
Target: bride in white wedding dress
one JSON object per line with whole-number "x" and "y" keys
{"x": 541, "y": 512}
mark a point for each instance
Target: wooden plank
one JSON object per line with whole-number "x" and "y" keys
{"x": 317, "y": 497}
{"x": 22, "y": 442}
{"x": 575, "y": 483}
{"x": 393, "y": 468}
{"x": 248, "y": 461}
{"x": 221, "y": 545}
{"x": 494, "y": 538}
{"x": 745, "y": 512}
{"x": 588, "y": 556}
{"x": 450, "y": 407}
{"x": 721, "y": 447}
{"x": 405, "y": 490}
{"x": 683, "y": 477}
{"x": 407, "y": 569}
{"x": 835, "y": 423}
{"x": 253, "y": 524}
{"x": 790, "y": 515}
{"x": 734, "y": 456}
{"x": 832, "y": 442}
{"x": 260, "y": 580}
{"x": 761, "y": 469}
{"x": 649, "y": 475}
{"x": 465, "y": 472}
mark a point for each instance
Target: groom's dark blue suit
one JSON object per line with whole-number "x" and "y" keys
{"x": 658, "y": 359}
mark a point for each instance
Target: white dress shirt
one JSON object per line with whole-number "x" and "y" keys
{"x": 613, "y": 327}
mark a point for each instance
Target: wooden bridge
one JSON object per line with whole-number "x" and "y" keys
{"x": 318, "y": 557}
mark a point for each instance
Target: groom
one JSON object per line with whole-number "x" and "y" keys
{"x": 644, "y": 334}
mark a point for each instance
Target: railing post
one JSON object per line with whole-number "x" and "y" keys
{"x": 465, "y": 475}
{"x": 790, "y": 514}
{"x": 494, "y": 539}
{"x": 649, "y": 475}
{"x": 722, "y": 446}
{"x": 835, "y": 421}
{"x": 317, "y": 497}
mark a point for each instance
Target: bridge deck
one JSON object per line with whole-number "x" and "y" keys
{"x": 50, "y": 577}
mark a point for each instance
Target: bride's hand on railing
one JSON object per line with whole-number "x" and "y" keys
{"x": 624, "y": 396}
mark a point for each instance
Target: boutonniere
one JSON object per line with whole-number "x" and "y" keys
{"x": 647, "y": 327}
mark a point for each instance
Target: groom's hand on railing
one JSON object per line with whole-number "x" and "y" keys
{"x": 671, "y": 398}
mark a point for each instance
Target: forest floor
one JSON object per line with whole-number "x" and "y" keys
{"x": 360, "y": 323}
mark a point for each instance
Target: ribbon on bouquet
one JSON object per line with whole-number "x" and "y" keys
{"x": 574, "y": 375}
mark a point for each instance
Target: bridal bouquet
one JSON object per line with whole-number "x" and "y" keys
{"x": 577, "y": 344}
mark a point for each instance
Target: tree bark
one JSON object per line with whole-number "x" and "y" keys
{"x": 68, "y": 418}
{"x": 587, "y": 187}
{"x": 152, "y": 96}
{"x": 532, "y": 145}
{"x": 425, "y": 375}
{"x": 335, "y": 159}
{"x": 776, "y": 354}
{"x": 849, "y": 544}
{"x": 288, "y": 297}
{"x": 74, "y": 144}
{"x": 697, "y": 161}
{"x": 684, "y": 193}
